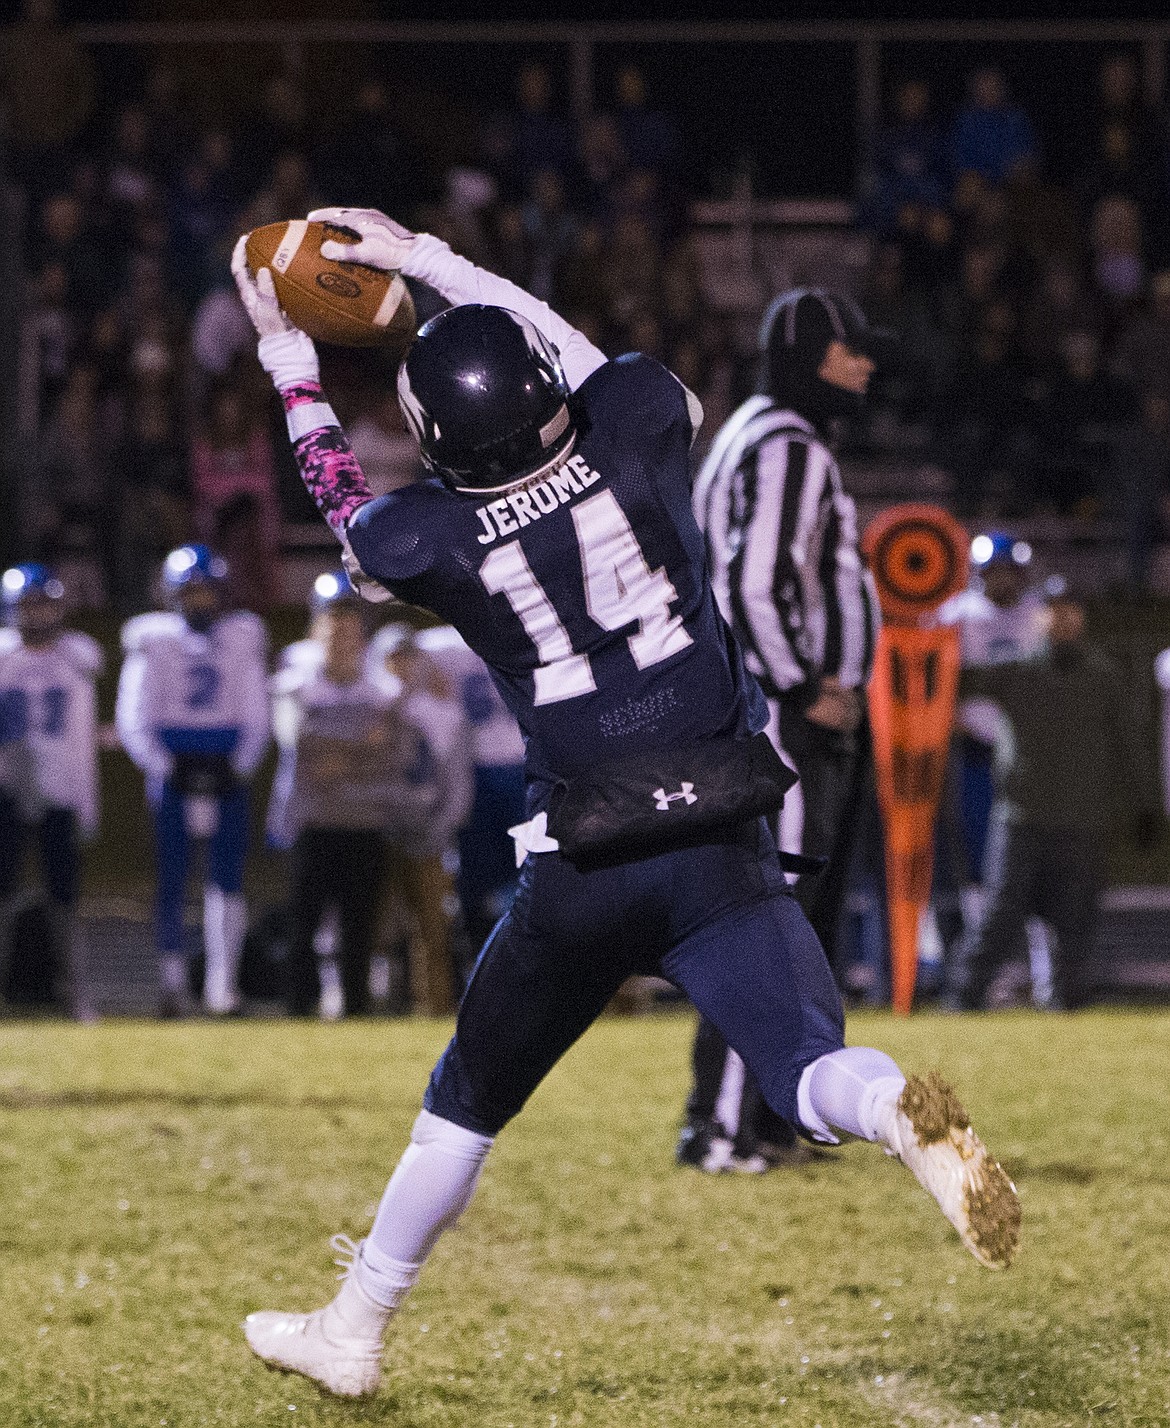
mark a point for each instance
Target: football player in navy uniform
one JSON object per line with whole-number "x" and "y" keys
{"x": 556, "y": 535}
{"x": 193, "y": 714}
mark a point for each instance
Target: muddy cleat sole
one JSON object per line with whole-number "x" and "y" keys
{"x": 930, "y": 1132}
{"x": 298, "y": 1343}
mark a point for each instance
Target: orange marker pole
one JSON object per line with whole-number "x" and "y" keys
{"x": 918, "y": 556}
{"x": 912, "y": 705}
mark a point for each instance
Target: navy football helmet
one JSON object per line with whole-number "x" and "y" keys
{"x": 486, "y": 396}
{"x": 34, "y": 601}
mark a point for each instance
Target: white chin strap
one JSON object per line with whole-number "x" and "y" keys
{"x": 551, "y": 465}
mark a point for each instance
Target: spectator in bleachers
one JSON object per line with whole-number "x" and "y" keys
{"x": 1140, "y": 481}
{"x": 91, "y": 266}
{"x": 983, "y": 415}
{"x": 1040, "y": 217}
{"x": 72, "y": 469}
{"x": 231, "y": 457}
{"x": 603, "y": 162}
{"x": 1129, "y": 129}
{"x": 152, "y": 496}
{"x": 386, "y": 451}
{"x": 530, "y": 138}
{"x": 200, "y": 211}
{"x": 910, "y": 175}
{"x": 990, "y": 134}
{"x": 649, "y": 138}
{"x": 1143, "y": 346}
{"x": 1080, "y": 406}
{"x": 550, "y": 230}
{"x": 1059, "y": 302}
{"x": 129, "y": 184}
{"x": 462, "y": 218}
{"x": 922, "y": 369}
{"x": 1117, "y": 242}
{"x": 289, "y": 189}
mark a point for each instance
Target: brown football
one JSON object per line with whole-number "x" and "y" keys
{"x": 344, "y": 303}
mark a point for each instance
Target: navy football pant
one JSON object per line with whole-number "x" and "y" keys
{"x": 716, "y": 920}
{"x": 226, "y": 850}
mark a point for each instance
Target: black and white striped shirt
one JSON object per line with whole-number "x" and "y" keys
{"x": 782, "y": 546}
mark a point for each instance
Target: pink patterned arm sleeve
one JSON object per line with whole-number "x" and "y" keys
{"x": 327, "y": 464}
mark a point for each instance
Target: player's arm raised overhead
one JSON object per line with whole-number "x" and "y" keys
{"x": 383, "y": 243}
{"x": 328, "y": 467}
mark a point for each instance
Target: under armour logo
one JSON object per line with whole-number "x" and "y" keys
{"x": 663, "y": 800}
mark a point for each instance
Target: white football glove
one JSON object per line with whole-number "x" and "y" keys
{"x": 382, "y": 242}
{"x": 258, "y": 294}
{"x": 286, "y": 353}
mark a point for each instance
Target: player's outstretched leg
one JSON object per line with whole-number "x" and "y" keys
{"x": 340, "y": 1346}
{"x": 922, "y": 1122}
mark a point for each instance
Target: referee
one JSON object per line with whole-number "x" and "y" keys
{"x": 782, "y": 546}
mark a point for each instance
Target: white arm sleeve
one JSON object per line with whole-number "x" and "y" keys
{"x": 432, "y": 262}
{"x": 131, "y": 718}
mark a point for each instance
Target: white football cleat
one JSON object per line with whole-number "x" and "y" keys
{"x": 928, "y": 1130}
{"x": 339, "y": 1347}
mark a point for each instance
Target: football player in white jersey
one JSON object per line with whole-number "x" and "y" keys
{"x": 47, "y": 676}
{"x": 430, "y": 701}
{"x": 999, "y": 619}
{"x": 193, "y": 714}
{"x": 487, "y": 864}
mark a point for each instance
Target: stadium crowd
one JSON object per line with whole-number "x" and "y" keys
{"x": 1033, "y": 305}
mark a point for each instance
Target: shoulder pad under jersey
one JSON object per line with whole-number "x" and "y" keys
{"x": 155, "y": 627}
{"x": 82, "y": 651}
{"x": 245, "y": 632}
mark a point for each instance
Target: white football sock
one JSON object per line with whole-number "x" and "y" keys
{"x": 224, "y": 923}
{"x": 430, "y": 1189}
{"x": 844, "y": 1090}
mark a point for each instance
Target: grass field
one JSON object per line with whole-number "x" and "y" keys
{"x": 158, "y": 1182}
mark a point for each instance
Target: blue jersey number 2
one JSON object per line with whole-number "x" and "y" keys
{"x": 202, "y": 686}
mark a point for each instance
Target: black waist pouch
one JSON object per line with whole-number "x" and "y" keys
{"x": 651, "y": 803}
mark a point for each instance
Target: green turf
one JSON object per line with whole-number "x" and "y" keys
{"x": 158, "y": 1182}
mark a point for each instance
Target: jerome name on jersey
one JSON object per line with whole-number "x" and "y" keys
{"x": 600, "y": 628}
{"x": 532, "y": 502}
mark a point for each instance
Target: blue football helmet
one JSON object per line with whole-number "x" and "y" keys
{"x": 34, "y": 601}
{"x": 192, "y": 565}
{"x": 331, "y": 590}
{"x": 998, "y": 548}
{"x": 486, "y": 397}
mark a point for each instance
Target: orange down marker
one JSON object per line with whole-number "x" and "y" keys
{"x": 918, "y": 556}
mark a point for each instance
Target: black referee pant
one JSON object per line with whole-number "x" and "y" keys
{"x": 818, "y": 819}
